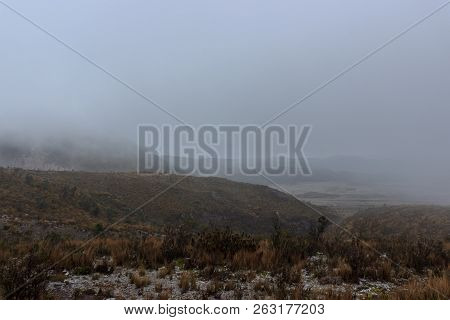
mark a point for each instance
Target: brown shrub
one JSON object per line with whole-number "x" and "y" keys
{"x": 164, "y": 295}
{"x": 298, "y": 293}
{"x": 263, "y": 258}
{"x": 165, "y": 271}
{"x": 139, "y": 280}
{"x": 188, "y": 281}
{"x": 343, "y": 270}
{"x": 23, "y": 278}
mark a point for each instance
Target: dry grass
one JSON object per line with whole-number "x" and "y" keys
{"x": 263, "y": 258}
{"x": 164, "y": 271}
{"x": 164, "y": 295}
{"x": 348, "y": 261}
{"x": 298, "y": 293}
{"x": 343, "y": 270}
{"x": 433, "y": 288}
{"x": 188, "y": 281}
{"x": 282, "y": 255}
{"x": 139, "y": 280}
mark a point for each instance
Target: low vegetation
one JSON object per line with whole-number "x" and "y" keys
{"x": 329, "y": 259}
{"x": 41, "y": 244}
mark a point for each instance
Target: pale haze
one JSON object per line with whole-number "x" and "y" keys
{"x": 235, "y": 62}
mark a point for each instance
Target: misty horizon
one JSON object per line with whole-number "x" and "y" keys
{"x": 235, "y": 64}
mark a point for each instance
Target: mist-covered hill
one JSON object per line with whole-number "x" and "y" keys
{"x": 196, "y": 202}
{"x": 413, "y": 222}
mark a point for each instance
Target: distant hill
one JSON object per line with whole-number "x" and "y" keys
{"x": 412, "y": 221}
{"x": 196, "y": 202}
{"x": 105, "y": 156}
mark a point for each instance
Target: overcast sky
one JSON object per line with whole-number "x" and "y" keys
{"x": 233, "y": 62}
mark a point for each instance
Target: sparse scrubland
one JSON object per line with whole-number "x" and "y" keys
{"x": 47, "y": 218}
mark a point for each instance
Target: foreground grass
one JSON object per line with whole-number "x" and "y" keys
{"x": 420, "y": 270}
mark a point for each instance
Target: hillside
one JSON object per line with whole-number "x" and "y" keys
{"x": 411, "y": 221}
{"x": 81, "y": 197}
{"x": 46, "y": 218}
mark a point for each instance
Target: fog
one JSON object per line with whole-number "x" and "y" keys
{"x": 233, "y": 62}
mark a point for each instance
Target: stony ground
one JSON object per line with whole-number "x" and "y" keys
{"x": 167, "y": 283}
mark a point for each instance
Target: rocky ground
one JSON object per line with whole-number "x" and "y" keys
{"x": 177, "y": 283}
